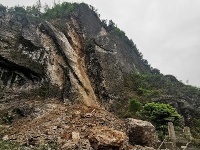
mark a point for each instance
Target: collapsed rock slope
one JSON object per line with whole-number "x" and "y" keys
{"x": 57, "y": 77}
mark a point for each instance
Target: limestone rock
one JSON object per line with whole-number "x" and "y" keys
{"x": 5, "y": 138}
{"x": 70, "y": 145}
{"x": 84, "y": 144}
{"x": 107, "y": 138}
{"x": 141, "y": 132}
{"x": 75, "y": 136}
{"x": 138, "y": 147}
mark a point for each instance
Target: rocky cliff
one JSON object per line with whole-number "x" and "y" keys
{"x": 76, "y": 55}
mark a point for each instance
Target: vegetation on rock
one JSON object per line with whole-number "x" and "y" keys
{"x": 134, "y": 105}
{"x": 165, "y": 89}
{"x": 155, "y": 85}
{"x": 157, "y": 113}
{"x": 59, "y": 10}
{"x": 7, "y": 145}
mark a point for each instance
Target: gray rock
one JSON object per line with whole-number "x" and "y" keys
{"x": 141, "y": 132}
{"x": 5, "y": 138}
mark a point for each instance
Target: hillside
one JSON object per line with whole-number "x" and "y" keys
{"x": 65, "y": 70}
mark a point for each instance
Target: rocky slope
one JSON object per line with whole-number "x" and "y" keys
{"x": 57, "y": 76}
{"x": 54, "y": 125}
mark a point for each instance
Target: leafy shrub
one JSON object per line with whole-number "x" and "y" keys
{"x": 160, "y": 114}
{"x": 7, "y": 145}
{"x": 148, "y": 93}
{"x": 196, "y": 130}
{"x": 134, "y": 105}
{"x": 20, "y": 9}
{"x": 60, "y": 10}
{"x": 119, "y": 32}
{"x": 2, "y": 8}
{"x": 7, "y": 118}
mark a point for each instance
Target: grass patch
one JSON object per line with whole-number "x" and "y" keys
{"x": 8, "y": 145}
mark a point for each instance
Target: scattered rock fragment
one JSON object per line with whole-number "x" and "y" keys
{"x": 75, "y": 136}
{"x": 88, "y": 115}
{"x": 54, "y": 127}
{"x": 69, "y": 145}
{"x": 5, "y": 138}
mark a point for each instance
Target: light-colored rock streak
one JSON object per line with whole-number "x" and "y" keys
{"x": 76, "y": 64}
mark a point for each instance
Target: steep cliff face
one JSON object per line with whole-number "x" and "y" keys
{"x": 76, "y": 55}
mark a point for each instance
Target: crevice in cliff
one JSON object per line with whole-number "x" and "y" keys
{"x": 67, "y": 84}
{"x": 10, "y": 71}
{"x": 28, "y": 44}
{"x": 101, "y": 46}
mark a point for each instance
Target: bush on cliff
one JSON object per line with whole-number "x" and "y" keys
{"x": 134, "y": 105}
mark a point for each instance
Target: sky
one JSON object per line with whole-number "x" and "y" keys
{"x": 166, "y": 32}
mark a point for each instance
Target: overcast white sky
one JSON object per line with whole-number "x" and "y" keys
{"x": 167, "y": 32}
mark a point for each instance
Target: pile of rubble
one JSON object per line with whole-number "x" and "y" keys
{"x": 76, "y": 127}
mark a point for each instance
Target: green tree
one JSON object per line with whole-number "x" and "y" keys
{"x": 160, "y": 114}
{"x": 2, "y": 8}
{"x": 59, "y": 10}
{"x": 20, "y": 9}
{"x": 111, "y": 24}
{"x": 46, "y": 7}
{"x": 134, "y": 105}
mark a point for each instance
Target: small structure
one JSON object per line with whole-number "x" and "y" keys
{"x": 171, "y": 142}
{"x": 187, "y": 133}
{"x": 172, "y": 134}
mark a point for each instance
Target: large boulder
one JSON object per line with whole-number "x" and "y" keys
{"x": 107, "y": 138}
{"x": 141, "y": 132}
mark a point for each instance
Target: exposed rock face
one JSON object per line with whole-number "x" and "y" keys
{"x": 77, "y": 55}
{"x": 141, "y": 132}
